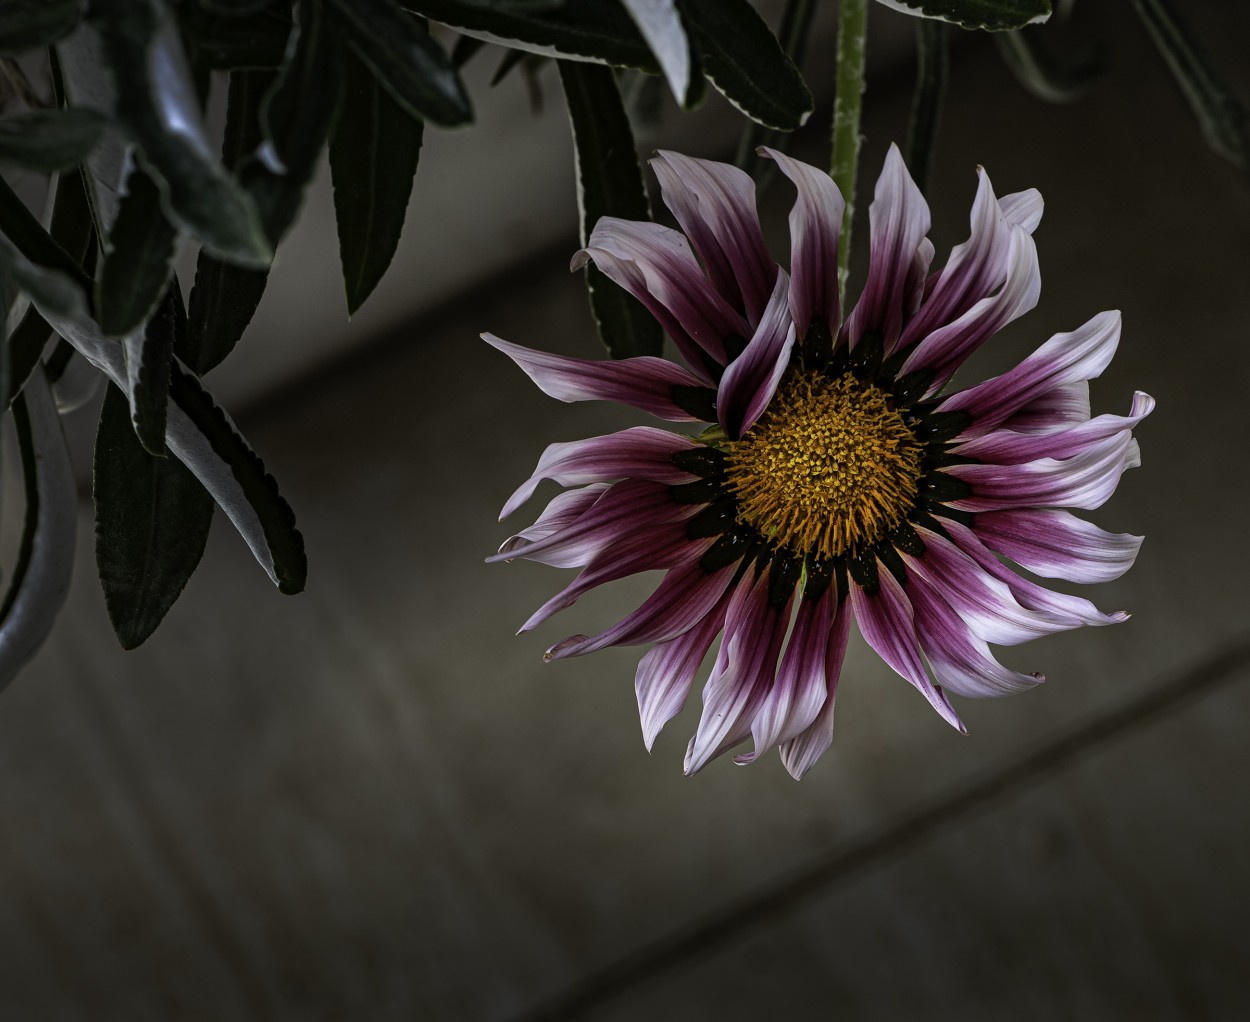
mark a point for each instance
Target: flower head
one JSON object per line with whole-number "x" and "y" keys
{"x": 837, "y": 477}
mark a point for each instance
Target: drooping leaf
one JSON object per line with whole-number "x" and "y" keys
{"x": 45, "y": 560}
{"x": 138, "y": 258}
{"x": 222, "y": 41}
{"x": 990, "y": 15}
{"x": 25, "y": 24}
{"x": 745, "y": 62}
{"x": 1058, "y": 74}
{"x": 149, "y": 356}
{"x": 152, "y": 519}
{"x": 373, "y": 159}
{"x": 49, "y": 140}
{"x": 609, "y": 183}
{"x": 297, "y": 115}
{"x": 156, "y": 103}
{"x": 198, "y": 433}
{"x": 25, "y": 232}
{"x": 932, "y": 72}
{"x": 224, "y": 297}
{"x": 403, "y": 57}
{"x": 595, "y": 30}
{"x": 1221, "y": 116}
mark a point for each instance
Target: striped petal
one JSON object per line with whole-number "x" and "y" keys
{"x": 800, "y": 753}
{"x": 1057, "y": 544}
{"x": 750, "y": 381}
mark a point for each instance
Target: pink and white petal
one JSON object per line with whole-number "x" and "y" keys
{"x": 1057, "y": 544}
{"x": 627, "y": 507}
{"x": 798, "y": 693}
{"x": 985, "y": 603}
{"x": 1004, "y": 447}
{"x": 563, "y": 510}
{"x": 642, "y": 452}
{"x": 815, "y": 225}
{"x": 886, "y": 621}
{"x": 1023, "y": 208}
{"x": 680, "y": 601}
{"x": 898, "y": 223}
{"x": 666, "y": 546}
{"x": 945, "y": 349}
{"x": 975, "y": 270}
{"x": 645, "y": 382}
{"x": 1065, "y": 404}
{"x": 668, "y": 669}
{"x": 1064, "y": 359}
{"x": 1086, "y": 481}
{"x": 1074, "y": 611}
{"x": 715, "y": 205}
{"x": 654, "y": 263}
{"x": 800, "y": 753}
{"x": 751, "y": 379}
{"x": 961, "y": 660}
{"x": 742, "y": 674}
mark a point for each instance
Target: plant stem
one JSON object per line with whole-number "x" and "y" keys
{"x": 852, "y": 36}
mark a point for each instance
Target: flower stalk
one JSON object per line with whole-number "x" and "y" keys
{"x": 847, "y": 104}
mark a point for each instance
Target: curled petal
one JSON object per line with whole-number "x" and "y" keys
{"x": 743, "y": 673}
{"x": 715, "y": 205}
{"x": 565, "y": 508}
{"x": 815, "y": 225}
{"x": 800, "y": 753}
{"x": 667, "y": 671}
{"x": 1057, "y": 544}
{"x": 1065, "y": 359}
{"x": 751, "y": 379}
{"x": 1023, "y": 208}
{"x": 656, "y": 266}
{"x": 898, "y": 222}
{"x": 642, "y": 452}
{"x": 679, "y": 602}
{"x": 887, "y": 624}
{"x": 1086, "y": 480}
{"x": 645, "y": 382}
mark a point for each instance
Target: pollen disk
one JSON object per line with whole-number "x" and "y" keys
{"x": 830, "y": 466}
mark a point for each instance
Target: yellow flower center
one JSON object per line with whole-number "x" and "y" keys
{"x": 830, "y": 465}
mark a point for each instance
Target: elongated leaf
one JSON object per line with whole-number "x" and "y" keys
{"x": 745, "y": 62}
{"x": 149, "y": 355}
{"x": 198, "y": 433}
{"x": 224, "y": 297}
{"x": 404, "y": 58}
{"x": 45, "y": 560}
{"x": 1059, "y": 74}
{"x": 1222, "y": 118}
{"x": 595, "y": 30}
{"x": 25, "y": 24}
{"x": 297, "y": 114}
{"x": 8, "y": 297}
{"x": 932, "y": 72}
{"x": 223, "y": 42}
{"x": 26, "y": 233}
{"x": 609, "y": 183}
{"x": 990, "y": 15}
{"x": 373, "y": 159}
{"x": 49, "y": 140}
{"x": 138, "y": 259}
{"x": 152, "y": 519}
{"x": 157, "y": 104}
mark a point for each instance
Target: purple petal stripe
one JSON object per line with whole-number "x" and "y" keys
{"x": 565, "y": 508}
{"x": 751, "y": 379}
{"x": 1065, "y": 404}
{"x": 1057, "y": 544}
{"x": 715, "y": 205}
{"x": 645, "y": 383}
{"x": 800, "y": 753}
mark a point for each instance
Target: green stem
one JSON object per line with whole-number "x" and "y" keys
{"x": 852, "y": 37}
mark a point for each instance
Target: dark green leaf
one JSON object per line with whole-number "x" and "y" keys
{"x": 744, "y": 60}
{"x": 406, "y": 60}
{"x": 49, "y": 140}
{"x": 990, "y": 15}
{"x": 224, "y": 297}
{"x": 297, "y": 115}
{"x": 282, "y": 546}
{"x": 149, "y": 356}
{"x": 1221, "y": 116}
{"x": 594, "y": 30}
{"x": 138, "y": 259}
{"x": 510, "y": 60}
{"x": 152, "y": 519}
{"x": 373, "y": 159}
{"x": 609, "y": 182}
{"x": 158, "y": 107}
{"x": 223, "y": 42}
{"x": 1058, "y": 74}
{"x": 25, "y": 24}
{"x": 932, "y": 72}
{"x": 8, "y": 295}
{"x": 27, "y": 235}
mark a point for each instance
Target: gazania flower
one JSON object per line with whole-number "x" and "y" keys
{"x": 838, "y": 476}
